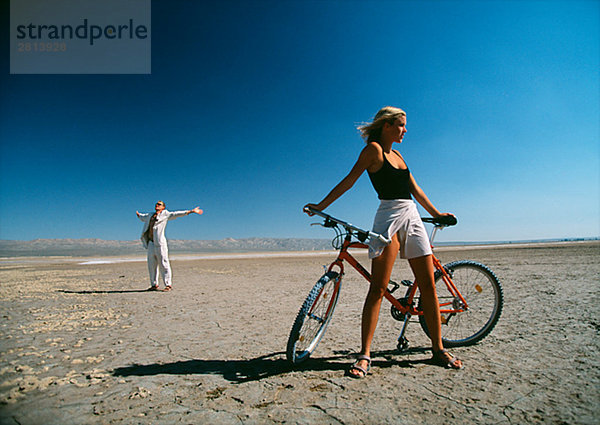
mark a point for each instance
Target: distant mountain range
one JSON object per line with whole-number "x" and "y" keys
{"x": 99, "y": 247}
{"x": 92, "y": 247}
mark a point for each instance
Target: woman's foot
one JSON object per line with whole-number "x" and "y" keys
{"x": 360, "y": 368}
{"x": 444, "y": 358}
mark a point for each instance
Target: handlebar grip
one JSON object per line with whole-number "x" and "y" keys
{"x": 447, "y": 220}
{"x": 313, "y": 211}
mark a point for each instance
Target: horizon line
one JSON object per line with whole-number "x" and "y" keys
{"x": 483, "y": 242}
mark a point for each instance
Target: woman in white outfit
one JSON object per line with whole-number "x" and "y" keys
{"x": 398, "y": 219}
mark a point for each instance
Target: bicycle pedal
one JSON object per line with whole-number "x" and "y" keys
{"x": 402, "y": 345}
{"x": 406, "y": 282}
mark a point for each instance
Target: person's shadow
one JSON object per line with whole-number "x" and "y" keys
{"x": 118, "y": 291}
{"x": 239, "y": 371}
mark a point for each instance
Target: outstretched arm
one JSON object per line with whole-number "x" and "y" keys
{"x": 175, "y": 214}
{"x": 422, "y": 199}
{"x": 142, "y": 216}
{"x": 367, "y": 157}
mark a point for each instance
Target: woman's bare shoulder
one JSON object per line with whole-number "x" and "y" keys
{"x": 373, "y": 148}
{"x": 373, "y": 156}
{"x": 374, "y": 145}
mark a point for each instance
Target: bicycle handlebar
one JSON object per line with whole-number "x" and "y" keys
{"x": 444, "y": 221}
{"x": 329, "y": 219}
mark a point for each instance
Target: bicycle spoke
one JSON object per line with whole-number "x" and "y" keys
{"x": 313, "y": 318}
{"x": 482, "y": 292}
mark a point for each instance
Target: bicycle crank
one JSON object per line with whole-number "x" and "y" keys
{"x": 397, "y": 314}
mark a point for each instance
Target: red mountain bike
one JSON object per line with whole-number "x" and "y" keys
{"x": 469, "y": 293}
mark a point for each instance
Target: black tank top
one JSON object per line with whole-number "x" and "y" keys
{"x": 390, "y": 182}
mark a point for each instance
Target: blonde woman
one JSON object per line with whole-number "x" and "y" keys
{"x": 398, "y": 219}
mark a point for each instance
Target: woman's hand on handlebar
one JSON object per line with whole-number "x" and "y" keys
{"x": 443, "y": 220}
{"x": 446, "y": 215}
{"x": 311, "y": 206}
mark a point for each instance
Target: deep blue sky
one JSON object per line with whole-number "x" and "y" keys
{"x": 251, "y": 108}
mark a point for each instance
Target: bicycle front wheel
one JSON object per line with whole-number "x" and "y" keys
{"x": 482, "y": 291}
{"x": 314, "y": 316}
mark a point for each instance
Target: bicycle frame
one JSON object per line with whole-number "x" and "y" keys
{"x": 408, "y": 308}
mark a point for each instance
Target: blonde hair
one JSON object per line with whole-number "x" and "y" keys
{"x": 372, "y": 131}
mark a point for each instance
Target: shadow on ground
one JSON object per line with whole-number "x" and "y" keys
{"x": 119, "y": 291}
{"x": 239, "y": 371}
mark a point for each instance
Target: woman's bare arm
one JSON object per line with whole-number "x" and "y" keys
{"x": 368, "y": 156}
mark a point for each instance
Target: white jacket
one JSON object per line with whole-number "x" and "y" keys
{"x": 159, "y": 226}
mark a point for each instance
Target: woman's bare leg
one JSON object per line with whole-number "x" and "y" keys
{"x": 381, "y": 271}
{"x": 423, "y": 270}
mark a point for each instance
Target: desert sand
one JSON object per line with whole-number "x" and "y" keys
{"x": 85, "y": 344}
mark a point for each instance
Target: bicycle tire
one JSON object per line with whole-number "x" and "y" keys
{"x": 313, "y": 318}
{"x": 483, "y": 293}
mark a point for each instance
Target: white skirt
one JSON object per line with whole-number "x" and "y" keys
{"x": 400, "y": 216}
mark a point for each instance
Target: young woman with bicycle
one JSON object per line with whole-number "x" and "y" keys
{"x": 398, "y": 219}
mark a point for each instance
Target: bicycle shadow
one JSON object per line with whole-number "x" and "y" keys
{"x": 240, "y": 371}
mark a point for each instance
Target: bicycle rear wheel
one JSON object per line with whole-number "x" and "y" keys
{"x": 314, "y": 316}
{"x": 482, "y": 291}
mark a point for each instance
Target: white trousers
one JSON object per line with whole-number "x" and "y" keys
{"x": 158, "y": 258}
